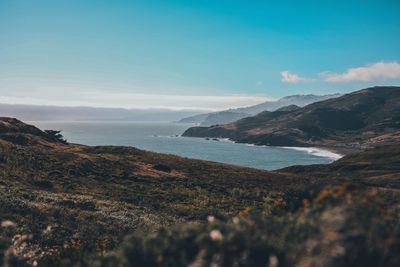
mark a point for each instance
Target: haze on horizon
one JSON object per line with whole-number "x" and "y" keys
{"x": 193, "y": 55}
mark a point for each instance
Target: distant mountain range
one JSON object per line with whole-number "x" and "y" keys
{"x": 57, "y": 113}
{"x": 231, "y": 115}
{"x": 365, "y": 118}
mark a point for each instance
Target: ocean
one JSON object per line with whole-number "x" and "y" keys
{"x": 165, "y": 137}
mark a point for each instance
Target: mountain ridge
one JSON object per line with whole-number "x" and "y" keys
{"x": 209, "y": 119}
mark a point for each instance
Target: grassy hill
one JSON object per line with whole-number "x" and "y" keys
{"x": 365, "y": 118}
{"x": 66, "y": 204}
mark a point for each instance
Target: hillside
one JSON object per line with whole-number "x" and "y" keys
{"x": 231, "y": 115}
{"x": 65, "y": 204}
{"x": 365, "y": 118}
{"x": 102, "y": 193}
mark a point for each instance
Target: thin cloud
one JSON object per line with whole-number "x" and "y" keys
{"x": 288, "y": 77}
{"x": 143, "y": 101}
{"x": 380, "y": 71}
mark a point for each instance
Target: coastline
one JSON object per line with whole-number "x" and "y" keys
{"x": 333, "y": 153}
{"x": 317, "y": 151}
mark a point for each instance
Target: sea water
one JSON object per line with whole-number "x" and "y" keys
{"x": 166, "y": 138}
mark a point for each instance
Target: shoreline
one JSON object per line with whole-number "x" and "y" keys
{"x": 333, "y": 153}
{"x": 317, "y": 151}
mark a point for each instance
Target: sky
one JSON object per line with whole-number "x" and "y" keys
{"x": 193, "y": 54}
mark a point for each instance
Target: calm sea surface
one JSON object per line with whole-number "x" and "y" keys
{"x": 165, "y": 138}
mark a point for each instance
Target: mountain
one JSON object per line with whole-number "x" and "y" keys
{"x": 365, "y": 118}
{"x": 227, "y": 116}
{"x": 288, "y": 108}
{"x": 223, "y": 117}
{"x": 297, "y": 100}
{"x": 65, "y": 204}
{"x": 194, "y": 119}
{"x": 57, "y": 113}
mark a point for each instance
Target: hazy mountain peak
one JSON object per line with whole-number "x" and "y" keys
{"x": 239, "y": 113}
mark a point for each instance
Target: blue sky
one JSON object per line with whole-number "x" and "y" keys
{"x": 204, "y": 54}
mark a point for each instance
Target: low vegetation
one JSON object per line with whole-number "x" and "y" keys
{"x": 64, "y": 204}
{"x": 340, "y": 226}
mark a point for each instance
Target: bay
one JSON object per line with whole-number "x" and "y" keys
{"x": 165, "y": 137}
